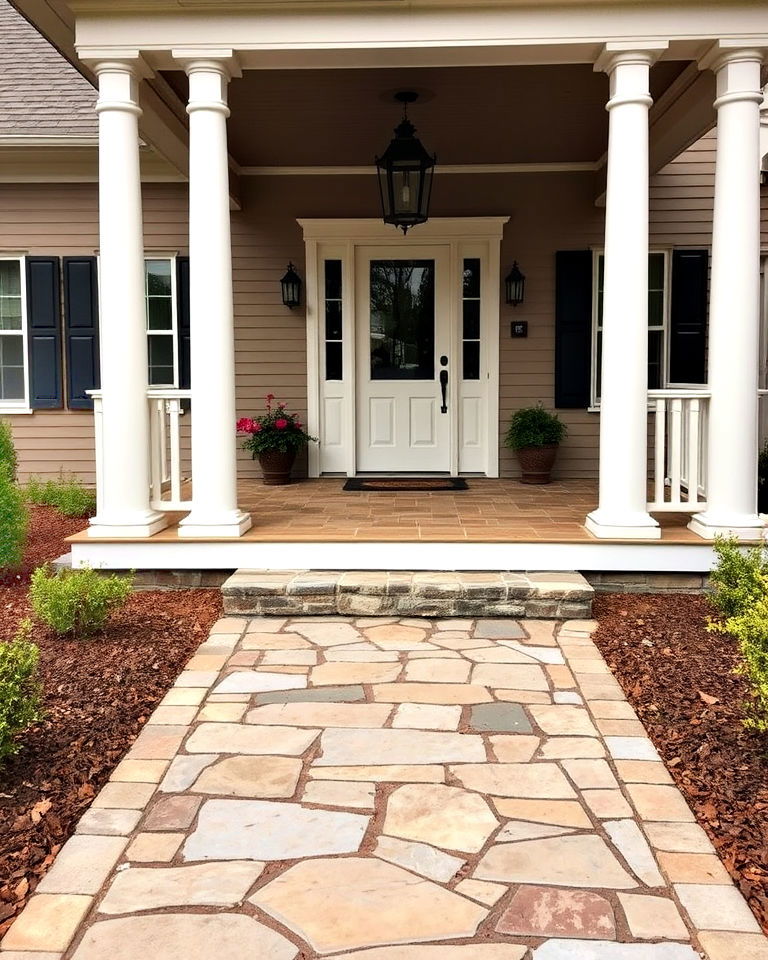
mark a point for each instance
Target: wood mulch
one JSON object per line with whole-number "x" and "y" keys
{"x": 680, "y": 680}
{"x": 97, "y": 696}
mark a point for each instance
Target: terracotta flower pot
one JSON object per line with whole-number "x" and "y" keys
{"x": 536, "y": 463}
{"x": 276, "y": 466}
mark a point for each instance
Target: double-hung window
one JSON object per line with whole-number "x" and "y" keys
{"x": 658, "y": 321}
{"x": 162, "y": 321}
{"x": 13, "y": 332}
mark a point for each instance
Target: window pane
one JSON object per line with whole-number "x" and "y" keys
{"x": 471, "y": 310}
{"x": 471, "y": 277}
{"x": 158, "y": 277}
{"x": 655, "y": 308}
{"x": 160, "y": 361}
{"x": 159, "y": 315}
{"x": 10, "y": 278}
{"x": 333, "y": 279}
{"x": 599, "y": 361}
{"x": 656, "y": 271}
{"x": 333, "y": 360}
{"x": 655, "y": 359}
{"x": 10, "y": 313}
{"x": 402, "y": 320}
{"x": 11, "y": 368}
{"x": 333, "y": 320}
{"x": 471, "y": 360}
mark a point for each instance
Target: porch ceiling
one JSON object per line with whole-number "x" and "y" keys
{"x": 517, "y": 114}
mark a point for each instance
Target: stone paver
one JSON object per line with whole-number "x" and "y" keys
{"x": 390, "y": 789}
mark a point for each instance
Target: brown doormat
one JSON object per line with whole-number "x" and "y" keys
{"x": 406, "y": 484}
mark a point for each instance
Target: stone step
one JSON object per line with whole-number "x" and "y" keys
{"x": 385, "y": 593}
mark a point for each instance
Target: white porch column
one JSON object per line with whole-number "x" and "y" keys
{"x": 124, "y": 498}
{"x": 734, "y": 310}
{"x": 214, "y": 444}
{"x": 624, "y": 392}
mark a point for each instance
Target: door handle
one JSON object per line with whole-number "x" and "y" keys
{"x": 444, "y": 390}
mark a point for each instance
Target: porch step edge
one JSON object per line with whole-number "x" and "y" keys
{"x": 540, "y": 595}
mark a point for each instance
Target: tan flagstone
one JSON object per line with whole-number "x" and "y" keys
{"x": 157, "y": 743}
{"x": 457, "y": 641}
{"x": 222, "y": 712}
{"x": 206, "y": 661}
{"x": 395, "y": 636}
{"x": 516, "y": 830}
{"x": 419, "y": 858}
{"x": 426, "y": 716}
{"x": 693, "y": 868}
{"x": 523, "y": 696}
{"x": 328, "y": 634}
{"x": 563, "y": 720}
{"x": 259, "y": 681}
{"x": 239, "y": 738}
{"x": 274, "y": 641}
{"x": 265, "y": 777}
{"x": 678, "y": 837}
{"x": 564, "y": 813}
{"x": 714, "y": 907}
{"x": 387, "y": 773}
{"x": 82, "y": 865}
{"x": 534, "y": 781}
{"x": 306, "y": 658}
{"x": 540, "y": 632}
{"x": 202, "y": 884}
{"x": 320, "y": 714}
{"x": 193, "y": 936}
{"x": 510, "y": 676}
{"x": 183, "y": 697}
{"x": 655, "y": 802}
{"x": 124, "y": 796}
{"x": 430, "y": 693}
{"x": 546, "y": 655}
{"x": 482, "y": 890}
{"x": 108, "y": 823}
{"x": 571, "y": 861}
{"x": 48, "y": 922}
{"x": 513, "y": 748}
{"x": 338, "y": 793}
{"x": 344, "y": 655}
{"x": 386, "y": 746}
{"x": 612, "y": 710}
{"x": 139, "y": 771}
{"x": 469, "y": 951}
{"x": 266, "y": 624}
{"x": 184, "y": 770}
{"x": 733, "y": 946}
{"x": 620, "y": 728}
{"x": 427, "y": 652}
{"x": 628, "y": 839}
{"x": 172, "y": 813}
{"x": 642, "y": 771}
{"x": 279, "y": 668}
{"x": 591, "y": 774}
{"x": 442, "y": 816}
{"x": 333, "y": 674}
{"x": 651, "y": 918}
{"x": 607, "y": 803}
{"x": 561, "y": 676}
{"x": 498, "y": 654}
{"x": 351, "y": 903}
{"x": 154, "y": 847}
{"x": 437, "y": 671}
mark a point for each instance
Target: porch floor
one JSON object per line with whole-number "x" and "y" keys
{"x": 490, "y": 511}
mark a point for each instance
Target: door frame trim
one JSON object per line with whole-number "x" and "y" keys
{"x": 344, "y": 235}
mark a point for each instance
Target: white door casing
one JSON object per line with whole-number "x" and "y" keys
{"x": 335, "y": 250}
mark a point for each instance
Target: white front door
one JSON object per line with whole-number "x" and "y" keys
{"x": 405, "y": 401}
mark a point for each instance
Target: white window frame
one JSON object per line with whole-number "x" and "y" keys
{"x": 174, "y": 329}
{"x": 22, "y": 405}
{"x": 597, "y": 253}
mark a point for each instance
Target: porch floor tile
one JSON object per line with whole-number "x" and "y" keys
{"x": 410, "y": 808}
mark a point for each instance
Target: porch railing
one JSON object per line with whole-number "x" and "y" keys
{"x": 168, "y": 447}
{"x": 679, "y": 450}
{"x": 167, "y": 473}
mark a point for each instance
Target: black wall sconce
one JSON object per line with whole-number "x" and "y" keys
{"x": 291, "y": 287}
{"x": 515, "y": 286}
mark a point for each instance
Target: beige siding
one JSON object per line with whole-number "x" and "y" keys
{"x": 548, "y": 212}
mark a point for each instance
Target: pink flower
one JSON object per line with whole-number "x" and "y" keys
{"x": 281, "y": 424}
{"x": 298, "y": 424}
{"x": 255, "y": 427}
{"x": 245, "y": 425}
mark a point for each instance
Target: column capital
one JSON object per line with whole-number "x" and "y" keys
{"x": 221, "y": 60}
{"x": 639, "y": 52}
{"x": 119, "y": 77}
{"x": 723, "y": 52}
{"x": 116, "y": 60}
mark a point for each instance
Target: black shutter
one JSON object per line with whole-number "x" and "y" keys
{"x": 182, "y": 320}
{"x": 573, "y": 328}
{"x": 688, "y": 317}
{"x": 44, "y": 332}
{"x": 81, "y": 310}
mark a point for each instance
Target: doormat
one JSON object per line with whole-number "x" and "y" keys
{"x": 406, "y": 484}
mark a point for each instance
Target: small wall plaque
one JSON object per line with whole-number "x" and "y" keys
{"x": 519, "y": 328}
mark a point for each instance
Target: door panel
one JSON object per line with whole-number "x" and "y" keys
{"x": 403, "y": 335}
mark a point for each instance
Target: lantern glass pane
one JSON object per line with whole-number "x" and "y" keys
{"x": 402, "y": 331}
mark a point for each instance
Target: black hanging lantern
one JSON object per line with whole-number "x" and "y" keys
{"x": 405, "y": 174}
{"x": 515, "y": 285}
{"x": 291, "y": 286}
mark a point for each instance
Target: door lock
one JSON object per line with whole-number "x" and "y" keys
{"x": 444, "y": 389}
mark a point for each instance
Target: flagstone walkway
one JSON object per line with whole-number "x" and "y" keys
{"x": 389, "y": 790}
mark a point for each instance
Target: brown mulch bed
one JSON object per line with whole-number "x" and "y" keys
{"x": 97, "y": 695}
{"x": 680, "y": 680}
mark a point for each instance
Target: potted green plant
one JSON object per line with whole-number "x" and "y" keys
{"x": 274, "y": 439}
{"x": 535, "y": 435}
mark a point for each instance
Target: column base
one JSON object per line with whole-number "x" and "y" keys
{"x": 625, "y": 526}
{"x": 201, "y": 525}
{"x": 744, "y": 526}
{"x": 136, "y": 527}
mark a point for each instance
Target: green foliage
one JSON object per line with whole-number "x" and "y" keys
{"x": 276, "y": 431}
{"x": 739, "y": 577}
{"x": 534, "y": 427}
{"x": 67, "y": 494}
{"x": 750, "y": 629}
{"x": 20, "y": 690}
{"x": 7, "y": 449}
{"x": 77, "y": 602}
{"x": 13, "y": 521}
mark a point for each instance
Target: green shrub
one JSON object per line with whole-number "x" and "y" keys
{"x": 534, "y": 427}
{"x": 13, "y": 521}
{"x": 739, "y": 577}
{"x": 7, "y": 449}
{"x": 77, "y": 602}
{"x": 20, "y": 690}
{"x": 67, "y": 494}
